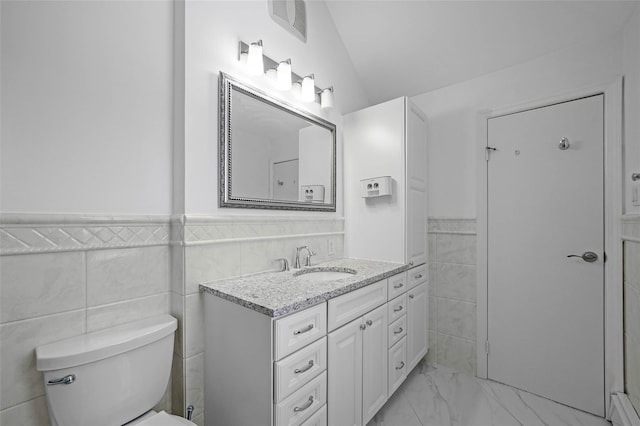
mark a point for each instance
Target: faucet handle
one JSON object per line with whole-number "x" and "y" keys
{"x": 285, "y": 263}
{"x": 309, "y": 254}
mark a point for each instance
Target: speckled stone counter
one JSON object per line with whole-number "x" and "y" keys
{"x": 280, "y": 293}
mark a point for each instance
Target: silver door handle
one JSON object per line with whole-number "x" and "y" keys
{"x": 303, "y": 330}
{"x": 587, "y": 256}
{"x": 304, "y": 369}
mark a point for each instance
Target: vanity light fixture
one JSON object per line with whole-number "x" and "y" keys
{"x": 283, "y": 75}
{"x": 309, "y": 88}
{"x": 326, "y": 98}
{"x": 281, "y": 72}
{"x": 255, "y": 63}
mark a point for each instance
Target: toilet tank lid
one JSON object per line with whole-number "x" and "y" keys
{"x": 103, "y": 344}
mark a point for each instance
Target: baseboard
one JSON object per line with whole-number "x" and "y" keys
{"x": 622, "y": 411}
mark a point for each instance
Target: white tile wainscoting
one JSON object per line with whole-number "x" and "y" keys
{"x": 452, "y": 298}
{"x": 65, "y": 275}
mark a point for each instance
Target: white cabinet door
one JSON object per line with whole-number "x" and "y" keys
{"x": 345, "y": 375}
{"x": 374, "y": 362}
{"x": 417, "y": 318}
{"x": 416, "y": 201}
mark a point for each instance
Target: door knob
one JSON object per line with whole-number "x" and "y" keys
{"x": 587, "y": 256}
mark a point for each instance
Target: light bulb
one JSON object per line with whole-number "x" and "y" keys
{"x": 255, "y": 64}
{"x": 308, "y": 88}
{"x": 283, "y": 77}
{"x": 326, "y": 98}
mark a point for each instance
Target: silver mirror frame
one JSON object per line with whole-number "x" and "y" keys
{"x": 227, "y": 85}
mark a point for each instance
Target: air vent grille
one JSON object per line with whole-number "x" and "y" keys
{"x": 291, "y": 15}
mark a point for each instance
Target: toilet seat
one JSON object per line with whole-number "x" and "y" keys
{"x": 160, "y": 419}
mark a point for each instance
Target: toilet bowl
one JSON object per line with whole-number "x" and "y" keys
{"x": 110, "y": 377}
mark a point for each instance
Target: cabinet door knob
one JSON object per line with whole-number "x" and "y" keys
{"x": 411, "y": 296}
{"x": 369, "y": 322}
{"x": 362, "y": 326}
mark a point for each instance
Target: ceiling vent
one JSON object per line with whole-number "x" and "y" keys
{"x": 290, "y": 14}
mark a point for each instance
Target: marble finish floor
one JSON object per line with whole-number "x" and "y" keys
{"x": 434, "y": 395}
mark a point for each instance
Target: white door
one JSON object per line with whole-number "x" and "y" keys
{"x": 545, "y": 203}
{"x": 417, "y": 324}
{"x": 344, "y": 396}
{"x": 285, "y": 180}
{"x": 374, "y": 362}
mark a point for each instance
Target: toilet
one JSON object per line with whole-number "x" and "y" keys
{"x": 111, "y": 377}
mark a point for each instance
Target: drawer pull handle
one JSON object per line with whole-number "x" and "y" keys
{"x": 303, "y": 369}
{"x": 305, "y": 405}
{"x": 398, "y": 285}
{"x": 417, "y": 277}
{"x": 401, "y": 366}
{"x": 398, "y": 331}
{"x": 411, "y": 296}
{"x": 303, "y": 330}
{"x": 398, "y": 309}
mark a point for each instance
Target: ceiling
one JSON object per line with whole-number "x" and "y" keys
{"x": 409, "y": 47}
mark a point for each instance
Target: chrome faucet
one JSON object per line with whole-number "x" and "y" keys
{"x": 309, "y": 254}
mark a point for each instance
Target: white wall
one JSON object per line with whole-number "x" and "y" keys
{"x": 86, "y": 106}
{"x": 213, "y": 30}
{"x": 452, "y": 113}
{"x": 631, "y": 67}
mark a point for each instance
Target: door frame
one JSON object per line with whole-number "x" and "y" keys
{"x": 613, "y": 206}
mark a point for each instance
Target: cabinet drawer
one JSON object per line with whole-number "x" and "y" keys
{"x": 299, "y": 406}
{"x": 397, "y": 330}
{"x": 298, "y": 368}
{"x": 397, "y": 365}
{"x": 417, "y": 275}
{"x": 350, "y": 306}
{"x": 397, "y": 285}
{"x": 397, "y": 307}
{"x": 319, "y": 418}
{"x": 300, "y": 329}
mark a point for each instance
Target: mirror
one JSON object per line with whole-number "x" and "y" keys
{"x": 273, "y": 155}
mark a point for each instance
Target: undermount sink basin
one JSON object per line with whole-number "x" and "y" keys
{"x": 324, "y": 275}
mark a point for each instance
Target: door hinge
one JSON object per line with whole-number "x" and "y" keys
{"x": 487, "y": 149}
{"x": 486, "y": 347}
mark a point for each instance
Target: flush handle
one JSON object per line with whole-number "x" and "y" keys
{"x": 587, "y": 256}
{"x": 66, "y": 380}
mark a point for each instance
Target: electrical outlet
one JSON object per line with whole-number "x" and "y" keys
{"x": 331, "y": 248}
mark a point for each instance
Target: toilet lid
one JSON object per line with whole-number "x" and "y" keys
{"x": 164, "y": 419}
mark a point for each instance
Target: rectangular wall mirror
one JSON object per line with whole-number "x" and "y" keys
{"x": 273, "y": 155}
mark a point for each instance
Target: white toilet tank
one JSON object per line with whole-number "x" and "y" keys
{"x": 109, "y": 377}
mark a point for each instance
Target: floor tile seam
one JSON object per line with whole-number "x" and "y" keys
{"x": 483, "y": 387}
{"x": 466, "y": 339}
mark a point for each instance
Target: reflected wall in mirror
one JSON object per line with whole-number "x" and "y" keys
{"x": 272, "y": 154}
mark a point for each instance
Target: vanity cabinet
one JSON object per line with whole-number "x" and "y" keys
{"x": 389, "y": 139}
{"x": 417, "y": 315}
{"x": 334, "y": 363}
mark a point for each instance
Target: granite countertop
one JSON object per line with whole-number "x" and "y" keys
{"x": 280, "y": 293}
